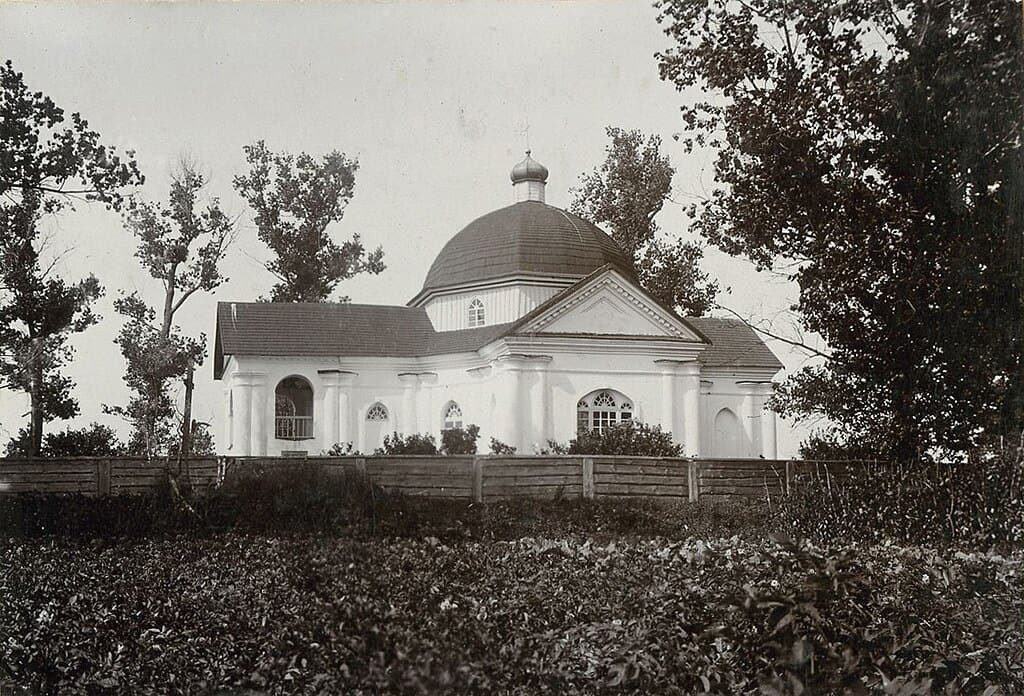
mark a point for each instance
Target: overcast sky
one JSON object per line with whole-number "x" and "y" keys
{"x": 437, "y": 101}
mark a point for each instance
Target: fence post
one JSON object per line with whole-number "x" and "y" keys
{"x": 789, "y": 474}
{"x": 361, "y": 465}
{"x": 588, "y": 478}
{"x": 103, "y": 477}
{"x": 478, "y": 480}
{"x": 693, "y": 480}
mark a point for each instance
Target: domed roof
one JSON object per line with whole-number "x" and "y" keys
{"x": 529, "y": 170}
{"x": 529, "y": 238}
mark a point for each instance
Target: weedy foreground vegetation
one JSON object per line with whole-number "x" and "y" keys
{"x": 296, "y": 584}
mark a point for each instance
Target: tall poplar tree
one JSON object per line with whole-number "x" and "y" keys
{"x": 625, "y": 194}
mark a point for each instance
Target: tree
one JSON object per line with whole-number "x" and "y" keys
{"x": 626, "y": 193}
{"x": 295, "y": 200}
{"x": 181, "y": 245}
{"x": 870, "y": 151}
{"x": 36, "y": 318}
{"x": 44, "y": 166}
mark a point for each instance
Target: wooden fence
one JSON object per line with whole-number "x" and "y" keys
{"x": 468, "y": 477}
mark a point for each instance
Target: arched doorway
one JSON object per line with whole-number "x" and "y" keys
{"x": 602, "y": 409}
{"x": 727, "y": 441}
{"x": 293, "y": 409}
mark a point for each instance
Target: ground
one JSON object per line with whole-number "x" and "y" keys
{"x": 479, "y": 608}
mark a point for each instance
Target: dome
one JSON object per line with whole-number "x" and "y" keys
{"x": 526, "y": 238}
{"x": 529, "y": 170}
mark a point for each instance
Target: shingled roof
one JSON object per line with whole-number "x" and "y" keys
{"x": 733, "y": 344}
{"x": 360, "y": 330}
{"x": 526, "y": 238}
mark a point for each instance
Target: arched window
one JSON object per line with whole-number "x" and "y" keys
{"x": 476, "y": 313}
{"x": 377, "y": 426}
{"x": 377, "y": 412}
{"x": 293, "y": 409}
{"x": 452, "y": 416}
{"x": 602, "y": 409}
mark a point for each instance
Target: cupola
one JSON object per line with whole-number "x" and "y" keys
{"x": 528, "y": 179}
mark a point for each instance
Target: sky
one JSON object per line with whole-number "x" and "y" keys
{"x": 437, "y": 101}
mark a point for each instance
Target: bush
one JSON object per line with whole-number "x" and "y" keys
{"x": 290, "y": 496}
{"x": 977, "y": 503}
{"x": 499, "y": 447}
{"x": 460, "y": 440}
{"x": 408, "y": 444}
{"x": 93, "y": 441}
{"x": 629, "y": 438}
{"x": 339, "y": 449}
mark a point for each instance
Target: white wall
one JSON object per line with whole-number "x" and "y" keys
{"x": 501, "y": 305}
{"x": 486, "y": 396}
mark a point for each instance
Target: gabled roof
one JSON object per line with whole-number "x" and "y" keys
{"x": 359, "y": 330}
{"x": 313, "y": 329}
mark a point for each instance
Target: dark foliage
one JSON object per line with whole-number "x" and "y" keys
{"x": 629, "y": 438}
{"x": 93, "y": 441}
{"x": 460, "y": 440}
{"x": 314, "y": 614}
{"x": 499, "y": 447}
{"x": 396, "y": 443}
{"x": 870, "y": 152}
{"x": 974, "y": 504}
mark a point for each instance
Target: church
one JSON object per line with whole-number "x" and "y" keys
{"x": 530, "y": 324}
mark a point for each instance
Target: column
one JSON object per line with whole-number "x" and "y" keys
{"x": 510, "y": 403}
{"x": 344, "y": 417}
{"x": 227, "y": 435}
{"x": 258, "y": 437}
{"x": 668, "y": 397}
{"x": 544, "y": 406}
{"x": 427, "y": 416}
{"x": 769, "y": 450}
{"x": 690, "y": 382}
{"x": 241, "y": 392}
{"x": 329, "y": 410}
{"x": 407, "y": 418}
{"x": 750, "y": 417}
{"x": 538, "y": 405}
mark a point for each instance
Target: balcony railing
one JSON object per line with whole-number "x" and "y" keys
{"x": 293, "y": 427}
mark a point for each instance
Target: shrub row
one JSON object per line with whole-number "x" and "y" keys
{"x": 302, "y": 496}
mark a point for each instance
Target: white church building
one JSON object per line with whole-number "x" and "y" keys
{"x": 530, "y": 324}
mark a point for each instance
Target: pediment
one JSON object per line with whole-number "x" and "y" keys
{"x": 608, "y": 305}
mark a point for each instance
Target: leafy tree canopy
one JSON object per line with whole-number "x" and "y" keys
{"x": 295, "y": 200}
{"x": 626, "y": 193}
{"x": 41, "y": 155}
{"x": 870, "y": 151}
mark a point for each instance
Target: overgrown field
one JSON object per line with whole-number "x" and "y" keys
{"x": 328, "y": 614}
